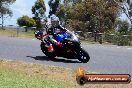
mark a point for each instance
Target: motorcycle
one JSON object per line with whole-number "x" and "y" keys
{"x": 71, "y": 47}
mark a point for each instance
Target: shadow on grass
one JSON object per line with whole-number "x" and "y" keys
{"x": 44, "y": 58}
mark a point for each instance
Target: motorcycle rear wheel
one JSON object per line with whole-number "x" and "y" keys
{"x": 45, "y": 51}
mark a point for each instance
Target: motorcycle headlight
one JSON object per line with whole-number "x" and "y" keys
{"x": 69, "y": 42}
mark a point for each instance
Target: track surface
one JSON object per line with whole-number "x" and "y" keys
{"x": 104, "y": 58}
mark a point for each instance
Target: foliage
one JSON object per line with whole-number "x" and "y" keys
{"x": 53, "y": 4}
{"x": 122, "y": 26}
{"x": 92, "y": 14}
{"x": 61, "y": 12}
{"x": 39, "y": 12}
{"x": 5, "y": 11}
{"x": 26, "y": 21}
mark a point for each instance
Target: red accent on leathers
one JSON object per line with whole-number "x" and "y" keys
{"x": 58, "y": 43}
{"x": 44, "y": 35}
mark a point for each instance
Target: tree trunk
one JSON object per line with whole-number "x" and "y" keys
{"x": 26, "y": 29}
{"x": 95, "y": 37}
{"x": 2, "y": 17}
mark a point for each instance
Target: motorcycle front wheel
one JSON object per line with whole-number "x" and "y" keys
{"x": 83, "y": 56}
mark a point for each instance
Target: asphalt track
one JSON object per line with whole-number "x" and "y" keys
{"x": 104, "y": 58}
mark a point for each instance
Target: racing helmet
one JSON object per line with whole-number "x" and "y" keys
{"x": 54, "y": 21}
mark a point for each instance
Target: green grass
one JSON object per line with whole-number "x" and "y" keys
{"x": 13, "y": 79}
{"x": 16, "y": 74}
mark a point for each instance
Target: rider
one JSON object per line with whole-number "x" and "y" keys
{"x": 55, "y": 25}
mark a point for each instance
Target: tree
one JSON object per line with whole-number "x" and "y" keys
{"x": 5, "y": 11}
{"x": 87, "y": 15}
{"x": 26, "y": 21}
{"x": 39, "y": 10}
{"x": 128, "y": 10}
{"x": 123, "y": 26}
{"x": 53, "y": 4}
{"x": 126, "y": 6}
{"x": 94, "y": 14}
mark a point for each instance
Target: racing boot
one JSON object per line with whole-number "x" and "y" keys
{"x": 50, "y": 48}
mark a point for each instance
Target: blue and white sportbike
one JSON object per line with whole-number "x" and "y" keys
{"x": 71, "y": 47}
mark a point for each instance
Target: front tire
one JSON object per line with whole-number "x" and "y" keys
{"x": 83, "y": 56}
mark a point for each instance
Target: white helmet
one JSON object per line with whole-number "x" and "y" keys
{"x": 54, "y": 20}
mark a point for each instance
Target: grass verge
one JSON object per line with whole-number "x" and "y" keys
{"x": 11, "y": 79}
{"x": 16, "y": 33}
{"x": 17, "y": 74}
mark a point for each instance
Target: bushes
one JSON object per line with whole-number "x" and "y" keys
{"x": 118, "y": 39}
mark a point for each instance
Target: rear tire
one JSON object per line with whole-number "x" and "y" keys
{"x": 45, "y": 51}
{"x": 83, "y": 56}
